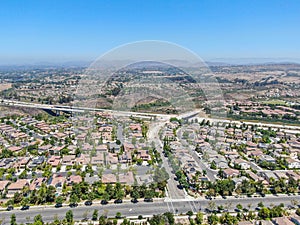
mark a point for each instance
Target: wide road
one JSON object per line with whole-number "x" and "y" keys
{"x": 172, "y": 186}
{"x": 143, "y": 208}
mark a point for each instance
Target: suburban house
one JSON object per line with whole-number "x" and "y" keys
{"x": 243, "y": 164}
{"x": 16, "y": 187}
{"x": 230, "y": 173}
{"x": 292, "y": 163}
{"x": 109, "y": 178}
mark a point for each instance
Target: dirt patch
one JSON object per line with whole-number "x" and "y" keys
{"x": 5, "y": 86}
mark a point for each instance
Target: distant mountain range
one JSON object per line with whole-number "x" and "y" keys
{"x": 212, "y": 62}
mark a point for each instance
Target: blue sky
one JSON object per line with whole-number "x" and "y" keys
{"x": 53, "y": 30}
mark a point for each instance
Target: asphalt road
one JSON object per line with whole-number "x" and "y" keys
{"x": 120, "y": 135}
{"x": 143, "y": 208}
{"x": 173, "y": 191}
{"x": 211, "y": 174}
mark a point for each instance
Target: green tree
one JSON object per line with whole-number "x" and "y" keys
{"x": 298, "y": 211}
{"x": 189, "y": 213}
{"x": 74, "y": 199}
{"x": 118, "y": 215}
{"x": 105, "y": 197}
{"x": 134, "y": 194}
{"x": 199, "y": 218}
{"x": 239, "y": 206}
{"x": 38, "y": 220}
{"x": 59, "y": 200}
{"x": 213, "y": 219}
{"x": 213, "y": 165}
{"x": 120, "y": 194}
{"x": 13, "y": 220}
{"x": 69, "y": 217}
{"x": 264, "y": 213}
{"x": 228, "y": 219}
{"x": 170, "y": 217}
{"x": 260, "y": 204}
{"x": 95, "y": 215}
{"x": 50, "y": 194}
{"x": 24, "y": 202}
{"x": 102, "y": 220}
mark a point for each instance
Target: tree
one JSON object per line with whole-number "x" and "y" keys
{"x": 228, "y": 219}
{"x": 298, "y": 211}
{"x": 125, "y": 222}
{"x": 50, "y": 194}
{"x": 119, "y": 194}
{"x": 170, "y": 217}
{"x": 199, "y": 218}
{"x": 38, "y": 220}
{"x": 264, "y": 213}
{"x": 135, "y": 194}
{"x": 102, "y": 220}
{"x": 59, "y": 200}
{"x": 118, "y": 215}
{"x": 13, "y": 220}
{"x": 24, "y": 202}
{"x": 239, "y": 206}
{"x": 74, "y": 199}
{"x": 260, "y": 204}
{"x": 69, "y": 216}
{"x": 149, "y": 194}
{"x": 105, "y": 197}
{"x": 95, "y": 215}
{"x": 211, "y": 206}
{"x": 213, "y": 219}
{"x": 17, "y": 197}
{"x": 213, "y": 165}
{"x": 158, "y": 220}
{"x": 56, "y": 221}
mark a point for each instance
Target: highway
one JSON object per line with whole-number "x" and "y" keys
{"x": 142, "y": 208}
{"x": 176, "y": 201}
{"x": 78, "y": 109}
{"x": 190, "y": 115}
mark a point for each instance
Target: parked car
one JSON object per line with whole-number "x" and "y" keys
{"x": 104, "y": 202}
{"x": 148, "y": 200}
{"x": 134, "y": 200}
{"x": 88, "y": 203}
{"x": 25, "y": 207}
{"x": 9, "y": 208}
{"x": 118, "y": 201}
{"x": 58, "y": 205}
{"x": 73, "y": 205}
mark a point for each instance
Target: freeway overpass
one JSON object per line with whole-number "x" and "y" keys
{"x": 79, "y": 109}
{"x": 163, "y": 117}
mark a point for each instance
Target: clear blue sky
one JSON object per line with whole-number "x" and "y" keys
{"x": 82, "y": 29}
